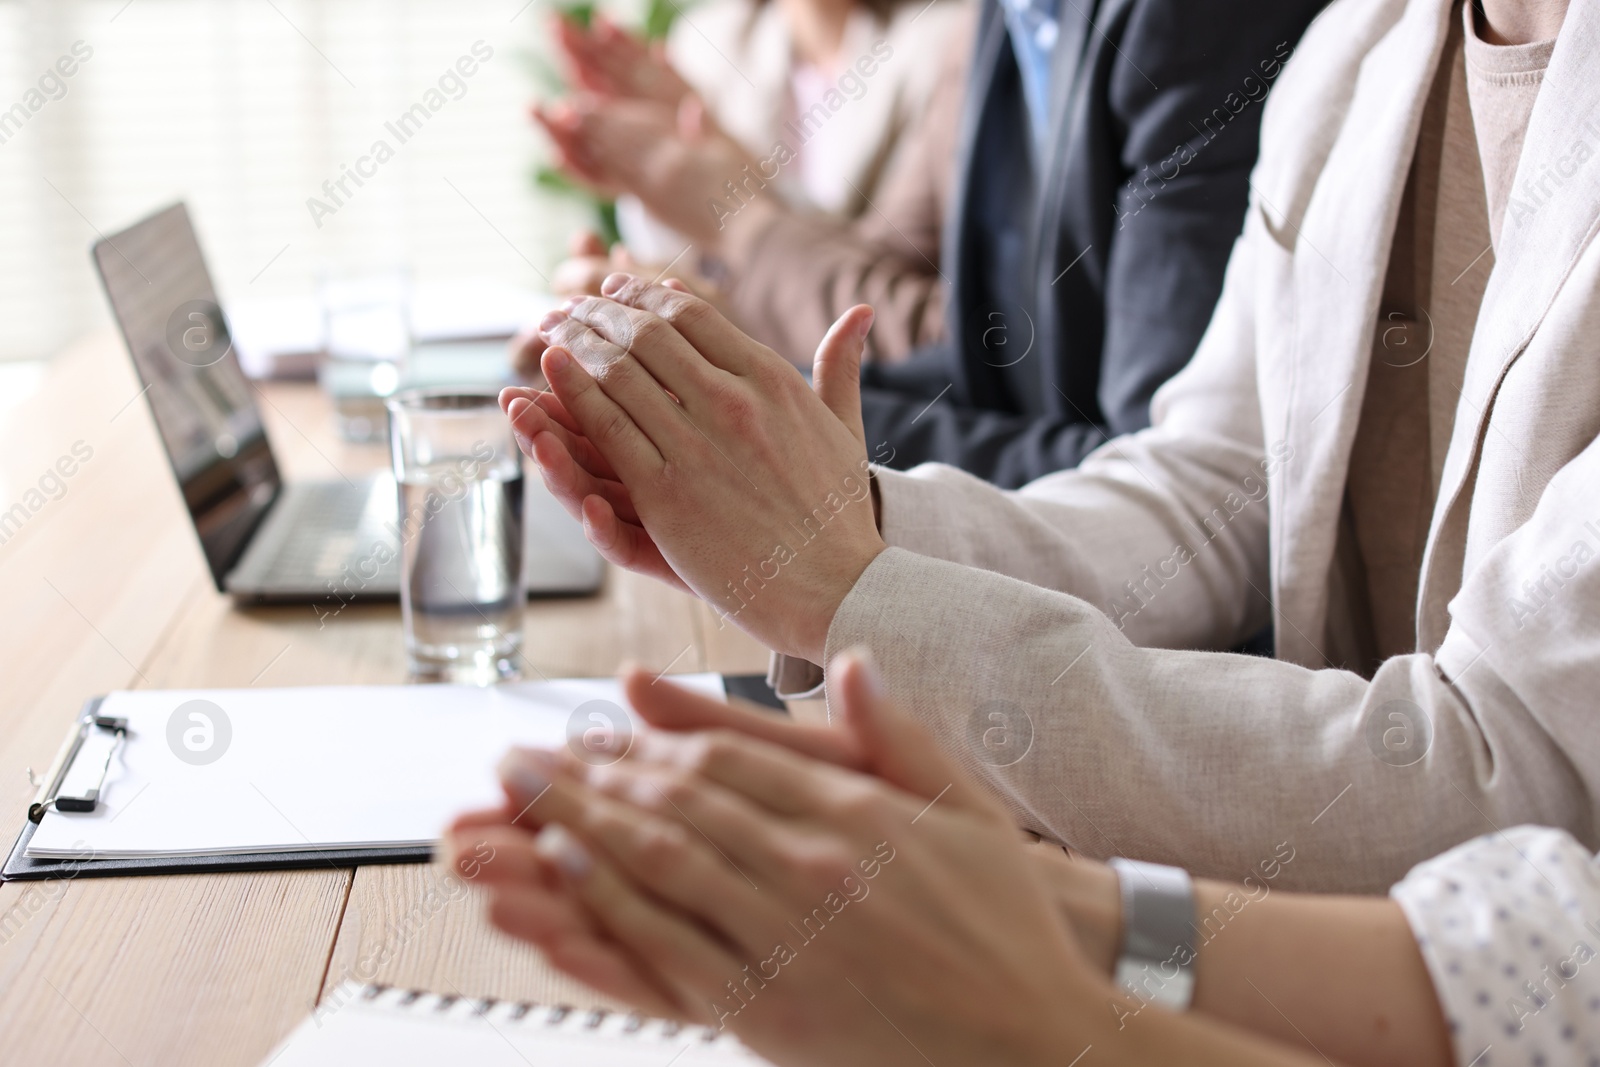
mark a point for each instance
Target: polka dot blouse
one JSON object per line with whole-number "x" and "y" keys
{"x": 1509, "y": 925}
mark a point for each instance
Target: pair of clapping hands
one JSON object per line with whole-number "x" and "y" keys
{"x": 834, "y": 896}
{"x": 635, "y": 126}
{"x": 698, "y": 456}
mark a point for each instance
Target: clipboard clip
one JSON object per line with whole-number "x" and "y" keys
{"x": 89, "y": 799}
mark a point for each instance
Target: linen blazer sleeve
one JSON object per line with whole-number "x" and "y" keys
{"x": 992, "y": 619}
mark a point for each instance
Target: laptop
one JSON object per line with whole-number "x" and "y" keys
{"x": 266, "y": 540}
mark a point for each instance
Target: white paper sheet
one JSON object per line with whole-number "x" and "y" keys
{"x": 313, "y": 768}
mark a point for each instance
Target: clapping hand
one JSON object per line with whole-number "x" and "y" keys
{"x": 606, "y": 59}
{"x": 825, "y": 916}
{"x": 696, "y": 455}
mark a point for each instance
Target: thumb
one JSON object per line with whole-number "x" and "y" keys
{"x": 895, "y": 747}
{"x": 836, "y": 371}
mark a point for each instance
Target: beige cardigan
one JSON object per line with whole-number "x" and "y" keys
{"x": 992, "y": 614}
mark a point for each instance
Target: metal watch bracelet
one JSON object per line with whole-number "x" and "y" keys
{"x": 1156, "y": 962}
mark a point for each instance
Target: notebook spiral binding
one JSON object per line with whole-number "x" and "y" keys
{"x": 530, "y": 1013}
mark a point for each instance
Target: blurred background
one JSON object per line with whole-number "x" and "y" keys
{"x": 244, "y": 108}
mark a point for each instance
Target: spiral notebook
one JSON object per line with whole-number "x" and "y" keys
{"x": 405, "y": 1028}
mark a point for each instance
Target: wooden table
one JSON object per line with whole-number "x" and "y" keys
{"x": 103, "y": 588}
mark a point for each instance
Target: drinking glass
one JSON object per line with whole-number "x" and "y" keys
{"x": 462, "y": 587}
{"x": 367, "y": 322}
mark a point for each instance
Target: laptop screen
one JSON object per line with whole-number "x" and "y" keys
{"x": 162, "y": 298}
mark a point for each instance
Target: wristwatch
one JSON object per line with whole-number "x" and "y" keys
{"x": 1156, "y": 963}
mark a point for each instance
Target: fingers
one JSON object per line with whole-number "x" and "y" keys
{"x": 671, "y": 707}
{"x": 534, "y": 411}
{"x": 541, "y": 917}
{"x": 528, "y": 900}
{"x": 776, "y": 778}
{"x": 693, "y": 964}
{"x": 583, "y": 483}
{"x": 626, "y": 545}
{"x": 687, "y": 842}
{"x": 658, "y": 347}
{"x": 634, "y": 392}
{"x": 722, "y": 836}
{"x": 565, "y": 130}
{"x": 713, "y": 336}
{"x": 571, "y": 484}
{"x": 600, "y": 418}
{"x": 836, "y": 372}
{"x": 793, "y": 785}
{"x": 469, "y": 821}
{"x": 901, "y": 751}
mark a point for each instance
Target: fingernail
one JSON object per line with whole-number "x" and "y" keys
{"x": 572, "y": 303}
{"x": 556, "y": 359}
{"x": 613, "y": 283}
{"x": 520, "y": 771}
{"x": 865, "y": 326}
{"x": 556, "y": 843}
{"x": 551, "y": 321}
{"x": 518, "y": 406}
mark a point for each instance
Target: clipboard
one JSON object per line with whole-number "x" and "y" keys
{"x": 20, "y": 867}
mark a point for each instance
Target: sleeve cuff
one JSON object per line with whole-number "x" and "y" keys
{"x": 793, "y": 678}
{"x": 914, "y": 511}
{"x": 1500, "y": 925}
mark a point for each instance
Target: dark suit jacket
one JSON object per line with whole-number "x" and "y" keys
{"x": 1056, "y": 345}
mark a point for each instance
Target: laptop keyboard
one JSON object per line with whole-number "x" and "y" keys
{"x": 333, "y": 526}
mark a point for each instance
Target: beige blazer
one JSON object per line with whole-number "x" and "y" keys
{"x": 1037, "y": 632}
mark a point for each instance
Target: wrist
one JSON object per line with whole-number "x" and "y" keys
{"x": 811, "y": 642}
{"x": 1156, "y": 958}
{"x": 1088, "y": 896}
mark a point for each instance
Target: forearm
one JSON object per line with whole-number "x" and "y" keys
{"x": 1134, "y": 531}
{"x": 1092, "y": 1019}
{"x": 1225, "y": 765}
{"x": 791, "y": 275}
{"x": 1339, "y": 977}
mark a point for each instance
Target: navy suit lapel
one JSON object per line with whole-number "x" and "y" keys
{"x": 957, "y": 246}
{"x": 1081, "y": 23}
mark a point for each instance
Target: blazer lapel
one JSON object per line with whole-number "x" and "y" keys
{"x": 1069, "y": 75}
{"x": 1550, "y": 219}
{"x": 956, "y": 249}
{"x": 1342, "y": 246}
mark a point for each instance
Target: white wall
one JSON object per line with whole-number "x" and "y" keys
{"x": 225, "y": 104}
